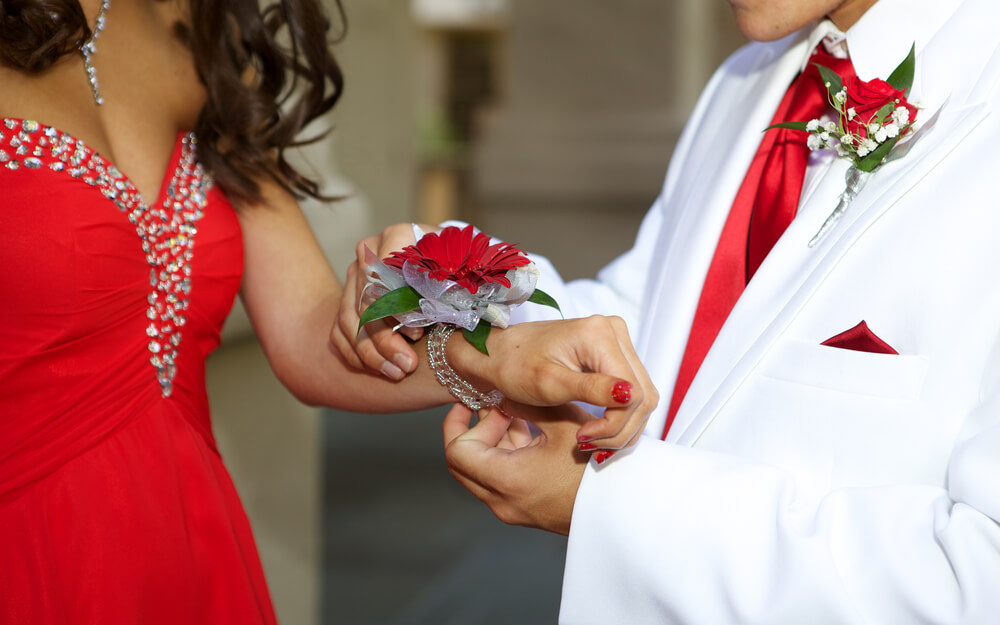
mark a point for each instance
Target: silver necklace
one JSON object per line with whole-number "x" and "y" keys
{"x": 89, "y": 47}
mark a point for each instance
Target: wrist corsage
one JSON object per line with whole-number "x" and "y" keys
{"x": 454, "y": 278}
{"x": 872, "y": 117}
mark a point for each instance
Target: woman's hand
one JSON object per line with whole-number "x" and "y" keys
{"x": 376, "y": 347}
{"x": 524, "y": 481}
{"x": 549, "y": 363}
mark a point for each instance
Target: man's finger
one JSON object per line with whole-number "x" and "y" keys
{"x": 456, "y": 423}
{"x": 492, "y": 426}
{"x": 519, "y": 433}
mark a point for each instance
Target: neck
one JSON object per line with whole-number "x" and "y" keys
{"x": 849, "y": 12}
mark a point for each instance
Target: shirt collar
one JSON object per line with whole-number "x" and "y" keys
{"x": 834, "y": 41}
{"x": 881, "y": 39}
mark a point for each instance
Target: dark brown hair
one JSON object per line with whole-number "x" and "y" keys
{"x": 268, "y": 74}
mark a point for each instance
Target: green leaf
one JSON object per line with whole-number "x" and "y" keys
{"x": 543, "y": 298}
{"x": 830, "y": 77}
{"x": 902, "y": 77}
{"x": 790, "y": 125}
{"x": 883, "y": 113}
{"x": 478, "y": 336}
{"x": 871, "y": 162}
{"x": 403, "y": 299}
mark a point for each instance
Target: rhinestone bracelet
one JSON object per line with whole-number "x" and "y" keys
{"x": 469, "y": 395}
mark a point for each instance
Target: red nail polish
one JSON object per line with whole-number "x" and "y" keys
{"x": 587, "y": 447}
{"x": 622, "y": 392}
{"x": 584, "y": 439}
{"x": 601, "y": 456}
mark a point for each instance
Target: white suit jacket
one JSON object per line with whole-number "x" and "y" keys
{"x": 805, "y": 484}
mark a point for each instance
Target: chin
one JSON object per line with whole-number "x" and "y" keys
{"x": 756, "y": 29}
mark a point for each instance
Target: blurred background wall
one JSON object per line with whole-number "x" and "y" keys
{"x": 549, "y": 123}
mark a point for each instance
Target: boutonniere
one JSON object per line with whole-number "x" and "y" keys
{"x": 455, "y": 276}
{"x": 872, "y": 117}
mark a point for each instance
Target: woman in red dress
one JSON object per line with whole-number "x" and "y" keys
{"x": 129, "y": 129}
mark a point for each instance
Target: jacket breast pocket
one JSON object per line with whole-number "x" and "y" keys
{"x": 888, "y": 376}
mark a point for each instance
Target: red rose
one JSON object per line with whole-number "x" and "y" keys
{"x": 866, "y": 98}
{"x": 461, "y": 256}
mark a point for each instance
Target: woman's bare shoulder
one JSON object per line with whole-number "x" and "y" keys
{"x": 35, "y": 94}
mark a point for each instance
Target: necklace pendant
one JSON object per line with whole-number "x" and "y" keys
{"x": 89, "y": 48}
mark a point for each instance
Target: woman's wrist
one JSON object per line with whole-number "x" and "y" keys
{"x": 472, "y": 365}
{"x": 472, "y": 396}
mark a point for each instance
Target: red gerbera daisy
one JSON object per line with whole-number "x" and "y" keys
{"x": 460, "y": 255}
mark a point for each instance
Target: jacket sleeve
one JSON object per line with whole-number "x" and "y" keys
{"x": 617, "y": 290}
{"x": 671, "y": 534}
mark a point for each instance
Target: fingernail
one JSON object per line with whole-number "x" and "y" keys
{"x": 601, "y": 456}
{"x": 403, "y": 361}
{"x": 391, "y": 371}
{"x": 587, "y": 447}
{"x": 584, "y": 439}
{"x": 622, "y": 392}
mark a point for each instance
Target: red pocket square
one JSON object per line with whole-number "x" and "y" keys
{"x": 860, "y": 338}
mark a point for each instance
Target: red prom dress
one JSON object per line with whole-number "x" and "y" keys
{"x": 115, "y": 506}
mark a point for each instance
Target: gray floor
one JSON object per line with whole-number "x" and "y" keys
{"x": 405, "y": 544}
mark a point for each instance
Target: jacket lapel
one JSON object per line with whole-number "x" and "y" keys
{"x": 793, "y": 271}
{"x": 696, "y": 202}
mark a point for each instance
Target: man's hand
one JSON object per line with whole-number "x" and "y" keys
{"x": 524, "y": 481}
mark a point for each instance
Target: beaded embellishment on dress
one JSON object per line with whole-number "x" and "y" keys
{"x": 168, "y": 240}
{"x": 166, "y": 230}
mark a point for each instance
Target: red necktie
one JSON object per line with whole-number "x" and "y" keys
{"x": 763, "y": 208}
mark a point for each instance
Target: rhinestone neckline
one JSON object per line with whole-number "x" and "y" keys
{"x": 166, "y": 230}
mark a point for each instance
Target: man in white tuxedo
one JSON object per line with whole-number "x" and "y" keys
{"x": 836, "y": 458}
